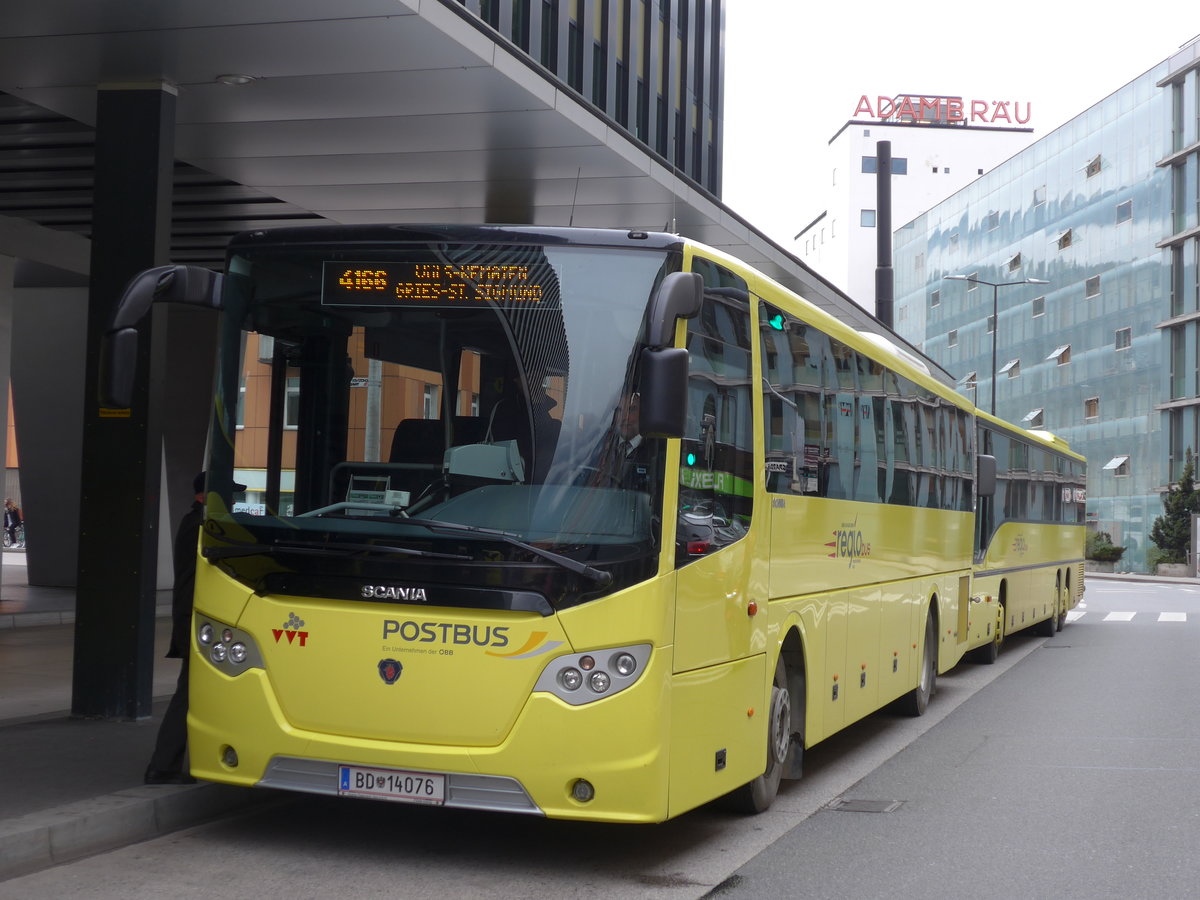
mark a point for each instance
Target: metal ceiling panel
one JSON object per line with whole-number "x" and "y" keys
{"x": 363, "y": 111}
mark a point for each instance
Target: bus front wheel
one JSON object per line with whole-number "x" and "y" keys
{"x": 757, "y": 795}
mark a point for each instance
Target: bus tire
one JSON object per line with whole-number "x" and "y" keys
{"x": 916, "y": 701}
{"x": 756, "y": 796}
{"x": 1047, "y": 627}
{"x": 1065, "y": 601}
{"x": 987, "y": 654}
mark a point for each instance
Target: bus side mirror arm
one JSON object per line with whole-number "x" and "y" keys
{"x": 985, "y": 478}
{"x": 664, "y": 368}
{"x": 191, "y": 285}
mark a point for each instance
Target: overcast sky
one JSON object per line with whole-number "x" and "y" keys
{"x": 795, "y": 71}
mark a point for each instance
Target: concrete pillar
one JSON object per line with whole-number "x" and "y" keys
{"x": 7, "y": 266}
{"x": 121, "y": 477}
{"x": 47, "y": 375}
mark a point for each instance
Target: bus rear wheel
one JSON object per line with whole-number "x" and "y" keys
{"x": 916, "y": 701}
{"x": 757, "y": 795}
{"x": 1047, "y": 627}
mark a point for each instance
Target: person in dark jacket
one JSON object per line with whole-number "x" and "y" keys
{"x": 167, "y": 761}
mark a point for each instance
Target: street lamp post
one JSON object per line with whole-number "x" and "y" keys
{"x": 995, "y": 286}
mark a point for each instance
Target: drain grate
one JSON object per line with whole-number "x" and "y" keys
{"x": 870, "y": 806}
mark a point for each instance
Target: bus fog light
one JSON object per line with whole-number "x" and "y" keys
{"x": 218, "y": 653}
{"x": 226, "y": 636}
{"x": 599, "y": 682}
{"x": 207, "y": 634}
{"x": 570, "y": 679}
{"x": 625, "y": 664}
{"x": 583, "y": 791}
{"x": 229, "y": 757}
{"x": 237, "y": 653}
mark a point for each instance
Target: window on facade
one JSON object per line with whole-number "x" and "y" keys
{"x": 1124, "y": 339}
{"x": 1014, "y": 262}
{"x": 1064, "y": 240}
{"x": 866, "y": 218}
{"x": 1091, "y": 408}
{"x": 1093, "y": 166}
{"x": 935, "y": 168}
{"x": 1091, "y": 287}
{"x": 1118, "y": 465}
{"x": 1039, "y": 306}
{"x": 291, "y": 403}
{"x": 935, "y": 298}
{"x": 1061, "y": 355}
{"x": 946, "y": 169}
{"x": 429, "y": 402}
{"x": 1034, "y": 419}
{"x": 993, "y": 220}
{"x": 991, "y": 324}
{"x": 1012, "y": 368}
{"x": 953, "y": 242}
{"x": 1124, "y": 211}
{"x": 952, "y": 338}
{"x": 1039, "y": 195}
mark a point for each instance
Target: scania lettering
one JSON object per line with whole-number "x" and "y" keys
{"x": 579, "y": 523}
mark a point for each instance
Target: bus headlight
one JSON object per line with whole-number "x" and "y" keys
{"x": 605, "y": 672}
{"x": 229, "y": 649}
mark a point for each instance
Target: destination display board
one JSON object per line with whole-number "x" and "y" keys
{"x": 423, "y": 284}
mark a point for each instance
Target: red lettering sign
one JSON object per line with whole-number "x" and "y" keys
{"x": 918, "y": 108}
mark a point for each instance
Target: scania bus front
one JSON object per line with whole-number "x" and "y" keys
{"x": 447, "y": 584}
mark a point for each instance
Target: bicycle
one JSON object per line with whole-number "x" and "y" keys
{"x": 20, "y": 533}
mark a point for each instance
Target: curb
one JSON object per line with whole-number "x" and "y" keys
{"x": 54, "y": 836}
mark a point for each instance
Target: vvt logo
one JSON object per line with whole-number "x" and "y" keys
{"x": 1019, "y": 545}
{"x": 849, "y": 544}
{"x": 292, "y": 629}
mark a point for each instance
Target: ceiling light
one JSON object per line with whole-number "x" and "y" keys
{"x": 235, "y": 79}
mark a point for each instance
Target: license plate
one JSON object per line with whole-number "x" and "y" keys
{"x": 392, "y": 784}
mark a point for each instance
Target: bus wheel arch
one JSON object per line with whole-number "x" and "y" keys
{"x": 785, "y": 744}
{"x": 792, "y": 656}
{"x": 1047, "y": 627}
{"x": 1064, "y": 597}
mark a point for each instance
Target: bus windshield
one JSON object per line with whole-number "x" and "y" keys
{"x": 435, "y": 414}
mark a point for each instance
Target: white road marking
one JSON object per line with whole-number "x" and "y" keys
{"x": 1172, "y": 617}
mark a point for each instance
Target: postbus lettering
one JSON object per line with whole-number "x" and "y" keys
{"x": 446, "y": 633}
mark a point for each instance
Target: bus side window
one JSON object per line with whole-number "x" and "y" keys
{"x": 716, "y": 490}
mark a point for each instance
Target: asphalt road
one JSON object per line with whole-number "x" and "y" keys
{"x": 1076, "y": 775}
{"x": 1068, "y": 769}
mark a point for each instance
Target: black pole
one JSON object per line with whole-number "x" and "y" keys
{"x": 884, "y": 276}
{"x": 995, "y": 328}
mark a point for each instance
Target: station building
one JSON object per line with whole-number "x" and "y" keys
{"x": 133, "y": 137}
{"x": 1106, "y": 211}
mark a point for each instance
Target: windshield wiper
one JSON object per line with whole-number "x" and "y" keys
{"x": 599, "y": 576}
{"x": 314, "y": 549}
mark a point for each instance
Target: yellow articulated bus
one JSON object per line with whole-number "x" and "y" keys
{"x": 581, "y": 523}
{"x": 1029, "y": 537}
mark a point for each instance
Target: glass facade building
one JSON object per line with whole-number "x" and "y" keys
{"x": 1106, "y": 354}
